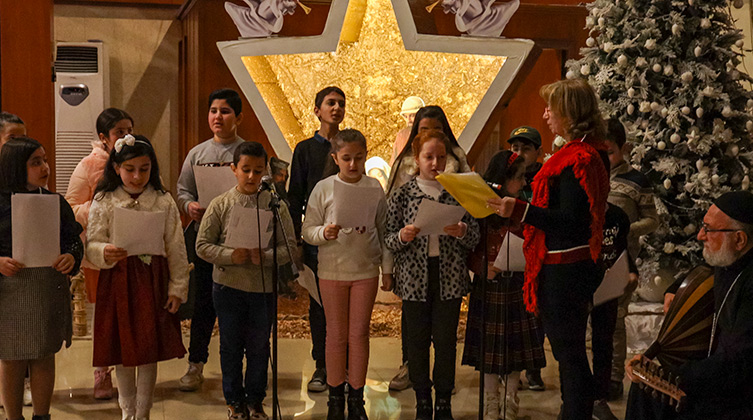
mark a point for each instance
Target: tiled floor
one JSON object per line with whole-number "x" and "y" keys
{"x": 72, "y": 399}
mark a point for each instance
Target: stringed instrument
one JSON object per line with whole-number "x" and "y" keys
{"x": 684, "y": 335}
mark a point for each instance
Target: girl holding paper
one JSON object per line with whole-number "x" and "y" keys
{"x": 512, "y": 336}
{"x": 35, "y": 301}
{"x": 112, "y": 124}
{"x": 135, "y": 325}
{"x": 404, "y": 169}
{"x": 243, "y": 289}
{"x": 431, "y": 276}
{"x": 350, "y": 257}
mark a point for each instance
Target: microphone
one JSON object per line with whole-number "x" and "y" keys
{"x": 495, "y": 186}
{"x": 267, "y": 184}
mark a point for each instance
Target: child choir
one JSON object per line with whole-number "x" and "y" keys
{"x": 137, "y": 296}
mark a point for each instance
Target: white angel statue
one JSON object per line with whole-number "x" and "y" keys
{"x": 480, "y": 17}
{"x": 260, "y": 18}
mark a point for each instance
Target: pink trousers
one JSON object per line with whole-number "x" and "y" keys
{"x": 347, "y": 308}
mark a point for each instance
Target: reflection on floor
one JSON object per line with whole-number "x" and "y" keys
{"x": 73, "y": 400}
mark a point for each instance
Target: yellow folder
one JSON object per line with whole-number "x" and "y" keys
{"x": 471, "y": 191}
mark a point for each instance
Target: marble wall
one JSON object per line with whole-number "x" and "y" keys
{"x": 143, "y": 45}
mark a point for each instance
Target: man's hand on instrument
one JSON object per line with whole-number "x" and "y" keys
{"x": 629, "y": 367}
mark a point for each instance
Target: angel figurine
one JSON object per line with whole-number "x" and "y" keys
{"x": 479, "y": 17}
{"x": 261, "y": 18}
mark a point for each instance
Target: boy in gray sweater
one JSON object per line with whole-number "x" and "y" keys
{"x": 224, "y": 117}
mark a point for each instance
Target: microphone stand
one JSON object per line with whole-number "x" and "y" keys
{"x": 481, "y": 350}
{"x": 274, "y": 206}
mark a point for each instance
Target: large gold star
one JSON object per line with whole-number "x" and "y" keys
{"x": 377, "y": 67}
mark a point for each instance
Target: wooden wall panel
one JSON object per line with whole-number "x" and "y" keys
{"x": 26, "y": 86}
{"x": 527, "y": 107}
{"x": 203, "y": 70}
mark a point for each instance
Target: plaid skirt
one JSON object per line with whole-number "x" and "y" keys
{"x": 509, "y": 328}
{"x": 35, "y": 314}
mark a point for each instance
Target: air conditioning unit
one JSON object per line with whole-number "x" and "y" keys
{"x": 82, "y": 91}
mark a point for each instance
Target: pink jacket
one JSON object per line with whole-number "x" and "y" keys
{"x": 82, "y": 185}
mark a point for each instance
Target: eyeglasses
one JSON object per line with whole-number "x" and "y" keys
{"x": 705, "y": 229}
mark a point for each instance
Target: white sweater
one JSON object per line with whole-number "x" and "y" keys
{"x": 100, "y": 222}
{"x": 353, "y": 255}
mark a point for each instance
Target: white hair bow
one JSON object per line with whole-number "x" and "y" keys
{"x": 128, "y": 140}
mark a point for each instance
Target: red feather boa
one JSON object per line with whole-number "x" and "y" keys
{"x": 589, "y": 169}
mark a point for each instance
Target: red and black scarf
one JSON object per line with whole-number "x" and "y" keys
{"x": 589, "y": 170}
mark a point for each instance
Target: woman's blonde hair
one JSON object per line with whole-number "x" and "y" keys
{"x": 575, "y": 101}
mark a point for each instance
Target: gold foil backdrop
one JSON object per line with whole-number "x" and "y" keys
{"x": 377, "y": 74}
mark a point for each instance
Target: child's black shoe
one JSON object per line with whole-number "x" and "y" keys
{"x": 356, "y": 410}
{"x": 336, "y": 403}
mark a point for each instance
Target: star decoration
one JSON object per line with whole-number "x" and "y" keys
{"x": 466, "y": 76}
{"x": 693, "y": 136}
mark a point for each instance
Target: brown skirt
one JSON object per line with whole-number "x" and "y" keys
{"x": 131, "y": 325}
{"x": 35, "y": 314}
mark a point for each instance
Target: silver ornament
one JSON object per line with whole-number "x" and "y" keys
{"x": 699, "y": 112}
{"x": 686, "y": 110}
{"x": 661, "y": 145}
{"x": 667, "y": 184}
{"x": 698, "y": 51}
{"x": 622, "y": 60}
{"x": 687, "y": 77}
{"x": 656, "y": 67}
{"x": 675, "y": 138}
{"x": 585, "y": 70}
{"x": 630, "y": 109}
{"x": 664, "y": 112}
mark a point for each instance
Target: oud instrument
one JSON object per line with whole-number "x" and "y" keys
{"x": 684, "y": 335}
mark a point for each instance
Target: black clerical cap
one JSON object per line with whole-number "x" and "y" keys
{"x": 737, "y": 205}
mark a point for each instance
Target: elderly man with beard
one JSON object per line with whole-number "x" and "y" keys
{"x": 718, "y": 387}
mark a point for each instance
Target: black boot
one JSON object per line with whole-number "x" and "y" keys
{"x": 44, "y": 417}
{"x": 356, "y": 411}
{"x": 423, "y": 406}
{"x": 443, "y": 409}
{"x": 336, "y": 403}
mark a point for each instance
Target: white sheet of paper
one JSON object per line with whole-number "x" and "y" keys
{"x": 36, "y": 229}
{"x": 243, "y": 229}
{"x": 355, "y": 206}
{"x": 517, "y": 259}
{"x": 139, "y": 232}
{"x": 212, "y": 181}
{"x": 615, "y": 280}
{"x": 308, "y": 281}
{"x": 433, "y": 216}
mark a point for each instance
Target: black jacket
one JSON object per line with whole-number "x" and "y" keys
{"x": 721, "y": 384}
{"x": 309, "y": 159}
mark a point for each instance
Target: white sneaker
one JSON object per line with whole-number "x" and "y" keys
{"x": 491, "y": 406}
{"x": 193, "y": 378}
{"x": 27, "y": 392}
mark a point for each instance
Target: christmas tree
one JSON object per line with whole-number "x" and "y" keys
{"x": 668, "y": 70}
